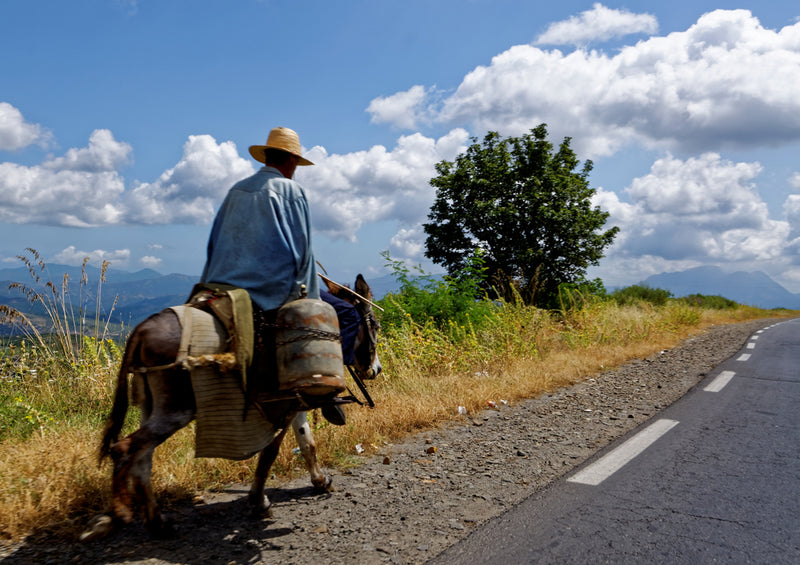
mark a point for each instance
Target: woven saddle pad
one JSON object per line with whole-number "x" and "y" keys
{"x": 226, "y": 426}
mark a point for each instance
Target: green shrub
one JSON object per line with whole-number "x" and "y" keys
{"x": 713, "y": 302}
{"x": 577, "y": 295}
{"x": 443, "y": 301}
{"x": 635, "y": 294}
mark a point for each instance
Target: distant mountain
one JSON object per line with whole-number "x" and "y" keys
{"x": 381, "y": 286}
{"x": 125, "y": 297}
{"x": 754, "y": 289}
{"x": 56, "y": 273}
{"x": 138, "y": 298}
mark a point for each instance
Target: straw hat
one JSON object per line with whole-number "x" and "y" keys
{"x": 284, "y": 139}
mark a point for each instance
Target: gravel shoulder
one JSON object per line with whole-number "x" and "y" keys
{"x": 419, "y": 497}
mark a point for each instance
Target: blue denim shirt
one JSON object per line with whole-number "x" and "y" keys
{"x": 261, "y": 240}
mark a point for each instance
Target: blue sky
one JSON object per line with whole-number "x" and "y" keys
{"x": 124, "y": 123}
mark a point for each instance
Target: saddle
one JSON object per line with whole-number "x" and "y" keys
{"x": 232, "y": 307}
{"x": 306, "y": 353}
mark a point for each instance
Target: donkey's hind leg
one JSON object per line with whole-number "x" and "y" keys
{"x": 133, "y": 462}
{"x": 156, "y": 523}
{"x": 308, "y": 448}
{"x": 257, "y": 498}
{"x": 121, "y": 499}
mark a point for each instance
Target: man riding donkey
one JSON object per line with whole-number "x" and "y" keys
{"x": 253, "y": 349}
{"x": 261, "y": 242}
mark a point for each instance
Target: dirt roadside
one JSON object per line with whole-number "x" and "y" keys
{"x": 419, "y": 497}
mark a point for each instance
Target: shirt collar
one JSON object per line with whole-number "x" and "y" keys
{"x": 269, "y": 169}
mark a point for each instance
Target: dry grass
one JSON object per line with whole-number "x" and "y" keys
{"x": 51, "y": 479}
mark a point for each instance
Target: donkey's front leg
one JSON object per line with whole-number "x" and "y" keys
{"x": 257, "y": 498}
{"x": 308, "y": 448}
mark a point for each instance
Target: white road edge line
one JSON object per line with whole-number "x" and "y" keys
{"x": 719, "y": 383}
{"x": 751, "y": 345}
{"x": 744, "y": 357}
{"x": 613, "y": 461}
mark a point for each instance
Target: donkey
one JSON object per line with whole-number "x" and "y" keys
{"x": 168, "y": 404}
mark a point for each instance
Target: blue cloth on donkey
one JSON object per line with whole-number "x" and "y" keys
{"x": 349, "y": 319}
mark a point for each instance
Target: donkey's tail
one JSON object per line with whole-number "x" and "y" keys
{"x": 116, "y": 419}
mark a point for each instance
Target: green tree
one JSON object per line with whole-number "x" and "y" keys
{"x": 526, "y": 207}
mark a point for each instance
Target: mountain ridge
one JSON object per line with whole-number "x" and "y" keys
{"x": 752, "y": 288}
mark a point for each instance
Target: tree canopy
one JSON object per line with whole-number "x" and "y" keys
{"x": 525, "y": 207}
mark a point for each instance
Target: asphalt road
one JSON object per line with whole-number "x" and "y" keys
{"x": 715, "y": 478}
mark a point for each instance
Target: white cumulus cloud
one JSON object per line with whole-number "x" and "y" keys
{"x": 707, "y": 188}
{"x": 150, "y": 261}
{"x": 190, "y": 191}
{"x": 404, "y": 109}
{"x": 81, "y": 189}
{"x": 348, "y": 191}
{"x": 698, "y": 210}
{"x": 16, "y": 133}
{"x": 599, "y": 23}
{"x": 408, "y": 244}
{"x": 72, "y": 256}
{"x": 104, "y": 154}
{"x": 84, "y": 188}
{"x": 725, "y": 82}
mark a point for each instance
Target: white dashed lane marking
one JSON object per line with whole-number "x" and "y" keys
{"x": 614, "y": 460}
{"x": 719, "y": 383}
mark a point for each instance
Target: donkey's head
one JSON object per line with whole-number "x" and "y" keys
{"x": 366, "y": 363}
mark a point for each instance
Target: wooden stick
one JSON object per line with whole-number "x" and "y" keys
{"x": 350, "y": 290}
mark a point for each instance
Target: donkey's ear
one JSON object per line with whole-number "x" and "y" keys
{"x": 362, "y": 287}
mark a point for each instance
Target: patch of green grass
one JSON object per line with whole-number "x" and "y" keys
{"x": 18, "y": 419}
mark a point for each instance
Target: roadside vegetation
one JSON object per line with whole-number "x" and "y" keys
{"x": 448, "y": 348}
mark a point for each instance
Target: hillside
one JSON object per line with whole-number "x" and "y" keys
{"x": 126, "y": 298}
{"x": 754, "y": 289}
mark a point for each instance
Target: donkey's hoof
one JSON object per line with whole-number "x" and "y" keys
{"x": 259, "y": 512}
{"x": 260, "y": 506}
{"x": 326, "y": 485}
{"x": 98, "y": 527}
{"x": 334, "y": 414}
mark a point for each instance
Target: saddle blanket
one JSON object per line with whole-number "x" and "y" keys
{"x": 226, "y": 426}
